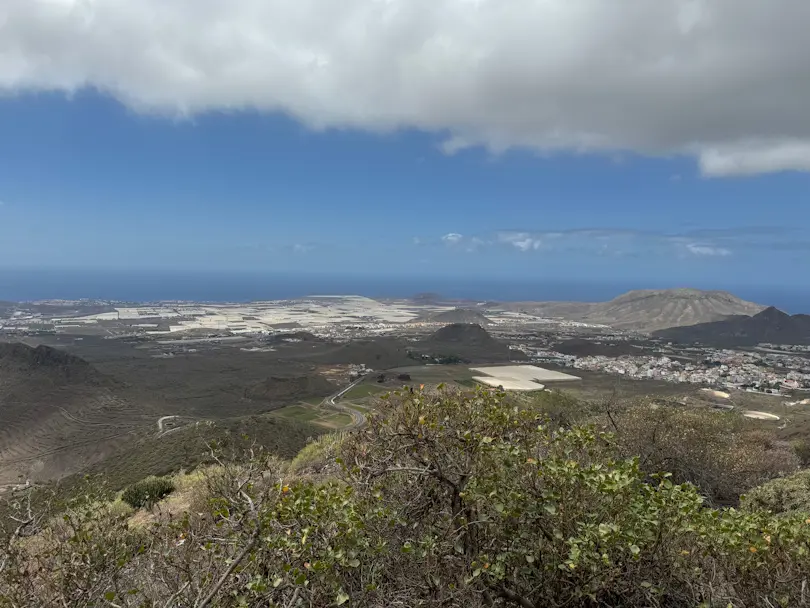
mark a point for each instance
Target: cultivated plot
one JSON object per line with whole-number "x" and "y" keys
{"x": 519, "y": 377}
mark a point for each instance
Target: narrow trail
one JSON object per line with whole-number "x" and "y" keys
{"x": 73, "y": 418}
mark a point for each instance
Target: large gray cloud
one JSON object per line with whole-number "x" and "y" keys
{"x": 723, "y": 80}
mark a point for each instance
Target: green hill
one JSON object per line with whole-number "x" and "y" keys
{"x": 189, "y": 446}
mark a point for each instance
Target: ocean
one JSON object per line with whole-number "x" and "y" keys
{"x": 151, "y": 286}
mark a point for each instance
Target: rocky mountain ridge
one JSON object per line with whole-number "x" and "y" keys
{"x": 647, "y": 310}
{"x": 768, "y": 326}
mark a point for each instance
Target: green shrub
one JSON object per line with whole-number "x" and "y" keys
{"x": 802, "y": 449}
{"x": 444, "y": 499}
{"x": 147, "y": 492}
{"x": 788, "y": 494}
{"x": 723, "y": 454}
{"x": 317, "y": 454}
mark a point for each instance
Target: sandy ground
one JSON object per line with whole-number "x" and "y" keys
{"x": 760, "y": 415}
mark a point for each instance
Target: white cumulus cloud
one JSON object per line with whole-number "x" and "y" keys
{"x": 521, "y": 240}
{"x": 759, "y": 157}
{"x": 708, "y": 250}
{"x": 722, "y": 80}
{"x": 452, "y": 238}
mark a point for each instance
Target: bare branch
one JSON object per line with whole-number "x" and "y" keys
{"x": 207, "y": 600}
{"x": 175, "y": 595}
{"x": 513, "y": 597}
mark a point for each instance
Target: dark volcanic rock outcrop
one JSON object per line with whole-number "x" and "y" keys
{"x": 468, "y": 342}
{"x": 49, "y": 364}
{"x": 771, "y": 325}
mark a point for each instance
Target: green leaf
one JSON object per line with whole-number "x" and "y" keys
{"x": 634, "y": 549}
{"x": 341, "y": 598}
{"x": 109, "y": 596}
{"x": 550, "y": 508}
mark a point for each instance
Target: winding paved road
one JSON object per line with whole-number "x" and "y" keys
{"x": 358, "y": 417}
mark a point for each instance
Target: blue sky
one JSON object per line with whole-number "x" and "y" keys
{"x": 129, "y": 165}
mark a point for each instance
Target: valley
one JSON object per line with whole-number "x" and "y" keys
{"x": 84, "y": 383}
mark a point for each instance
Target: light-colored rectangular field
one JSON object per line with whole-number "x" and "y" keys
{"x": 509, "y": 384}
{"x": 523, "y": 373}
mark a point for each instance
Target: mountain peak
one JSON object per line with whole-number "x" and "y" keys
{"x": 468, "y": 341}
{"x": 462, "y": 331}
{"x": 48, "y": 362}
{"x": 655, "y": 309}
{"x": 772, "y": 313}
{"x": 769, "y": 325}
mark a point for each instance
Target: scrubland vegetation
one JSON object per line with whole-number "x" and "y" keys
{"x": 147, "y": 492}
{"x": 444, "y": 498}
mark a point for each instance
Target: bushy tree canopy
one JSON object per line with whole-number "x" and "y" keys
{"x": 443, "y": 499}
{"x": 783, "y": 495}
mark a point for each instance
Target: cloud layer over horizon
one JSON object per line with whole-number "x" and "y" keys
{"x": 628, "y": 242}
{"x": 723, "y": 81}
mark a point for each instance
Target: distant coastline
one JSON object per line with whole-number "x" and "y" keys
{"x": 151, "y": 286}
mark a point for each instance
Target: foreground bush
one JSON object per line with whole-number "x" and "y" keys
{"x": 783, "y": 495}
{"x": 146, "y": 493}
{"x": 802, "y": 449}
{"x": 723, "y": 454}
{"x": 441, "y": 500}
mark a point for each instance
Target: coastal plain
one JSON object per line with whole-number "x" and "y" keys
{"x": 139, "y": 388}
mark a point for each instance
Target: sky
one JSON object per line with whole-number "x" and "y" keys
{"x": 661, "y": 142}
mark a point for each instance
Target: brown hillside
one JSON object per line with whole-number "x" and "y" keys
{"x": 58, "y": 414}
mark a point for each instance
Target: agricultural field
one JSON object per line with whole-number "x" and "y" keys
{"x": 364, "y": 390}
{"x": 519, "y": 377}
{"x": 322, "y": 416}
{"x": 430, "y": 374}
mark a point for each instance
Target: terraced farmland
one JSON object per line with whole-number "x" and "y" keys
{"x": 48, "y": 433}
{"x": 58, "y": 414}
